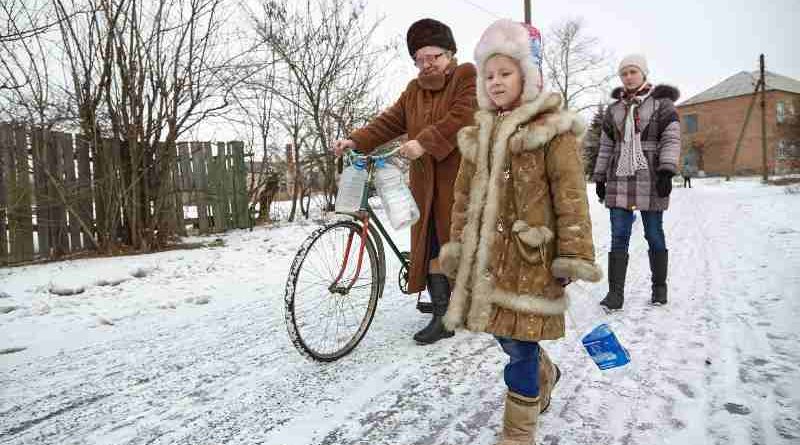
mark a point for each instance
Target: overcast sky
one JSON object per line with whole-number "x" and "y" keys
{"x": 690, "y": 44}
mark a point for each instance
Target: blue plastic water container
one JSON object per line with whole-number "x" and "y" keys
{"x": 604, "y": 348}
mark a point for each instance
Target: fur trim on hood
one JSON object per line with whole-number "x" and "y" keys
{"x": 661, "y": 91}
{"x": 511, "y": 39}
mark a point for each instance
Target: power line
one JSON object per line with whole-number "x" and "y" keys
{"x": 482, "y": 9}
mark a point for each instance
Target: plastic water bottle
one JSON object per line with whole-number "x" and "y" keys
{"x": 351, "y": 188}
{"x": 604, "y": 348}
{"x": 397, "y": 200}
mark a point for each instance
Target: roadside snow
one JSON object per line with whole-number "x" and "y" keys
{"x": 194, "y": 350}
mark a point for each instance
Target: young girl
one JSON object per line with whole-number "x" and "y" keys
{"x": 520, "y": 222}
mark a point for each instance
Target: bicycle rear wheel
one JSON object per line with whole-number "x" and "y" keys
{"x": 330, "y": 301}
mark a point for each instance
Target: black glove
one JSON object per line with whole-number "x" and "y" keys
{"x": 664, "y": 184}
{"x": 600, "y": 189}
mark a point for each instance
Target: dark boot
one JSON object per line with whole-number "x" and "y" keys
{"x": 617, "y": 268}
{"x": 658, "y": 267}
{"x": 439, "y": 288}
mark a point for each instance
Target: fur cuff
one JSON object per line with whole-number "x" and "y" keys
{"x": 574, "y": 268}
{"x": 468, "y": 142}
{"x": 449, "y": 258}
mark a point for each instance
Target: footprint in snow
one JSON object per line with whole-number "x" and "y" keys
{"x": 735, "y": 408}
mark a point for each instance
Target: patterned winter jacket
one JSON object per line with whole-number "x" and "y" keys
{"x": 661, "y": 144}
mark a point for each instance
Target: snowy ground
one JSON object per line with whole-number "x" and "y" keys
{"x": 195, "y": 351}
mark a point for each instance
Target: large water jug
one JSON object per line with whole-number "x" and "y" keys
{"x": 351, "y": 188}
{"x": 604, "y": 348}
{"x": 397, "y": 200}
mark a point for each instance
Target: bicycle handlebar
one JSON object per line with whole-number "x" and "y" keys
{"x": 353, "y": 156}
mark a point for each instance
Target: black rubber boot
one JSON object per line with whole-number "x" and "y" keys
{"x": 439, "y": 288}
{"x": 617, "y": 268}
{"x": 658, "y": 267}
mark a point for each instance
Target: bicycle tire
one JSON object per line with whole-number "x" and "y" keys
{"x": 299, "y": 325}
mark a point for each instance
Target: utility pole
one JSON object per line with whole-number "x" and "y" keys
{"x": 528, "y": 11}
{"x": 763, "y": 121}
{"x": 741, "y": 132}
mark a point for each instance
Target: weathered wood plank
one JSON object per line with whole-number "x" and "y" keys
{"x": 21, "y": 209}
{"x": 42, "y": 197}
{"x": 239, "y": 186}
{"x": 5, "y": 149}
{"x": 84, "y": 184}
{"x": 102, "y": 175}
{"x": 222, "y": 208}
{"x": 59, "y": 242}
{"x": 177, "y": 195}
{"x": 200, "y": 181}
{"x": 71, "y": 192}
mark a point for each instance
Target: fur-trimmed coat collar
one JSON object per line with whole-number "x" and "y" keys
{"x": 552, "y": 120}
{"x": 662, "y": 91}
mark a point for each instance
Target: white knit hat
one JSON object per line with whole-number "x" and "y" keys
{"x": 636, "y": 60}
{"x": 520, "y": 42}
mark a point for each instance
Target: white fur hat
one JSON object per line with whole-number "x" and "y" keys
{"x": 636, "y": 60}
{"x": 518, "y": 41}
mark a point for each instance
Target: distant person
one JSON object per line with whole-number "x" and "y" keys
{"x": 431, "y": 110}
{"x": 639, "y": 150}
{"x": 687, "y": 171}
{"x": 521, "y": 228}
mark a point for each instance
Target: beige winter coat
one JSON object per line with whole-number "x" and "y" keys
{"x": 520, "y": 220}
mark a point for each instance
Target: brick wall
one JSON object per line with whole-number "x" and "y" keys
{"x": 719, "y": 123}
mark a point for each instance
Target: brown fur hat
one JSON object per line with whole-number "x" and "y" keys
{"x": 429, "y": 32}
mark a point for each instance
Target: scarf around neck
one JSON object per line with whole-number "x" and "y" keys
{"x": 632, "y": 157}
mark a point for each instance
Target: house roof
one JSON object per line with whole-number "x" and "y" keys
{"x": 743, "y": 83}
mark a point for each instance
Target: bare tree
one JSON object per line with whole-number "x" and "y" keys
{"x": 144, "y": 74}
{"x": 326, "y": 51}
{"x": 27, "y": 93}
{"x": 295, "y": 124}
{"x": 576, "y": 66}
{"x": 257, "y": 107}
{"x": 34, "y": 102}
{"x": 23, "y": 20}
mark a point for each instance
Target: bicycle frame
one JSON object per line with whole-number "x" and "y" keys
{"x": 365, "y": 214}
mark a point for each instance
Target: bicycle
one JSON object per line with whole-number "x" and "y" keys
{"x": 339, "y": 285}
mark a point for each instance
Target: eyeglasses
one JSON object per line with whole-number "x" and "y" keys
{"x": 427, "y": 59}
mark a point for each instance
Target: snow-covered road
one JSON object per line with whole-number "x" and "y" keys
{"x": 195, "y": 351}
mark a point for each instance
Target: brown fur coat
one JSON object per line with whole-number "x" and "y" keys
{"x": 433, "y": 118}
{"x": 520, "y": 220}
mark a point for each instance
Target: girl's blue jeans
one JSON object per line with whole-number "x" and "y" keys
{"x": 521, "y": 374}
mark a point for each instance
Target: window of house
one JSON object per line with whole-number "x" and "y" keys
{"x": 780, "y": 153}
{"x": 691, "y": 123}
{"x": 781, "y": 112}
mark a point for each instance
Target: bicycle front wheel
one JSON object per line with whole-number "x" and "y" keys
{"x": 332, "y": 291}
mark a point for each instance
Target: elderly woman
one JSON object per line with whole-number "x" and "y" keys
{"x": 434, "y": 106}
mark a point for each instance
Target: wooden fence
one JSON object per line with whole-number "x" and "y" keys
{"x": 54, "y": 188}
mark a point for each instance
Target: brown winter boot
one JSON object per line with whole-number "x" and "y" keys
{"x": 519, "y": 419}
{"x": 549, "y": 375}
